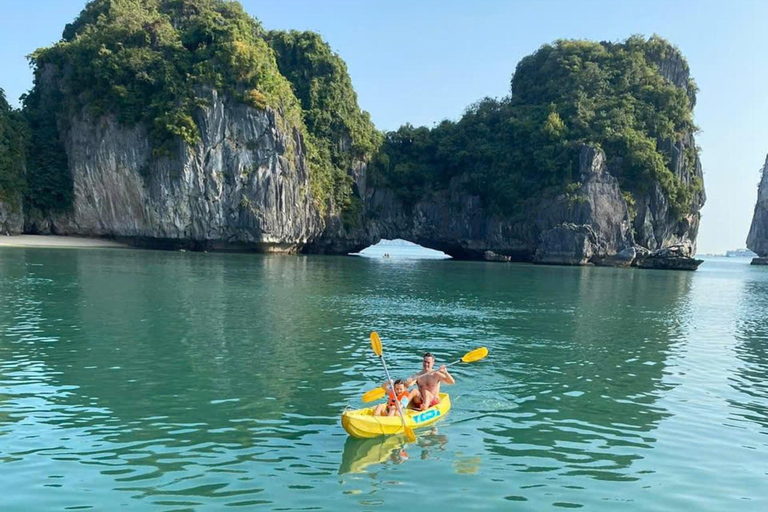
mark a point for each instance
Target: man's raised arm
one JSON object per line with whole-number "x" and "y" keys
{"x": 445, "y": 376}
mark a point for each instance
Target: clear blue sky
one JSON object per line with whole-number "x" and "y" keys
{"x": 421, "y": 61}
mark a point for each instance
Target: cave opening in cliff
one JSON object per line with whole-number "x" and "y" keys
{"x": 401, "y": 249}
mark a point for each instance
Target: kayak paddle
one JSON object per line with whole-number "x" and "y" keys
{"x": 376, "y": 345}
{"x": 374, "y": 394}
{"x": 470, "y": 357}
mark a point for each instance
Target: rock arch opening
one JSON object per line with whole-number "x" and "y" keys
{"x": 401, "y": 249}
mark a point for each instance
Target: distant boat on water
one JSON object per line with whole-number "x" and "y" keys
{"x": 740, "y": 253}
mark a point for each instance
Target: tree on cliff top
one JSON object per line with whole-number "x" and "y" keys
{"x": 144, "y": 60}
{"x": 516, "y": 149}
{"x": 340, "y": 131}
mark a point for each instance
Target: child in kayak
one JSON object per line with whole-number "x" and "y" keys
{"x": 401, "y": 394}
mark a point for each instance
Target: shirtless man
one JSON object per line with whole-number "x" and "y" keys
{"x": 429, "y": 383}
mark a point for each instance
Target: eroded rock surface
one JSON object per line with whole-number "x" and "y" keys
{"x": 244, "y": 185}
{"x": 757, "y": 240}
{"x": 11, "y": 217}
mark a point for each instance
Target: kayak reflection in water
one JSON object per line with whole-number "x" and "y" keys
{"x": 431, "y": 441}
{"x": 361, "y": 454}
{"x": 399, "y": 456}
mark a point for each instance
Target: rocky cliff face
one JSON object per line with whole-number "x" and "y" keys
{"x": 590, "y": 225}
{"x": 239, "y": 188}
{"x": 757, "y": 240}
{"x": 11, "y": 217}
{"x": 244, "y": 185}
{"x": 656, "y": 225}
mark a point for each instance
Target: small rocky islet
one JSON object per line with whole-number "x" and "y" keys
{"x": 186, "y": 124}
{"x": 757, "y": 240}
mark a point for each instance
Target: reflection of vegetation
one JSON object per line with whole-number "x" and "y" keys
{"x": 752, "y": 350}
{"x": 215, "y": 364}
{"x": 516, "y": 149}
{"x": 5, "y": 414}
{"x": 587, "y": 387}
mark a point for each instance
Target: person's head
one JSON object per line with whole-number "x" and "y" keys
{"x": 399, "y": 386}
{"x": 428, "y": 362}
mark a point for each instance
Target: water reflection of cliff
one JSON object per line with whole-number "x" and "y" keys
{"x": 584, "y": 369}
{"x": 28, "y": 335}
{"x": 183, "y": 331}
{"x": 751, "y": 377}
{"x": 167, "y": 361}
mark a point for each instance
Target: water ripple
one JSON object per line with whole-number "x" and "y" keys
{"x": 163, "y": 381}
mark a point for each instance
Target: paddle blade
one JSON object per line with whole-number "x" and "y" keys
{"x": 410, "y": 435}
{"x": 376, "y": 343}
{"x": 475, "y": 355}
{"x": 373, "y": 394}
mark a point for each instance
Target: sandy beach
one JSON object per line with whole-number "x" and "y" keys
{"x": 57, "y": 241}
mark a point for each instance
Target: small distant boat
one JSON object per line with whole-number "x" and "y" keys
{"x": 362, "y": 424}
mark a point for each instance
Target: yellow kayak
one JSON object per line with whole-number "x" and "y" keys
{"x": 361, "y": 423}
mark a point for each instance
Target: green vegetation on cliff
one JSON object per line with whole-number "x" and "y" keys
{"x": 13, "y": 135}
{"x": 144, "y": 61}
{"x": 49, "y": 181}
{"x": 340, "y": 134}
{"x": 519, "y": 148}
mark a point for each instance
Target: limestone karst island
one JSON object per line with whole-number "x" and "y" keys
{"x": 186, "y": 124}
{"x": 757, "y": 239}
{"x": 343, "y": 256}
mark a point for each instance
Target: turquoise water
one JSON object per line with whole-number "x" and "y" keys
{"x": 133, "y": 380}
